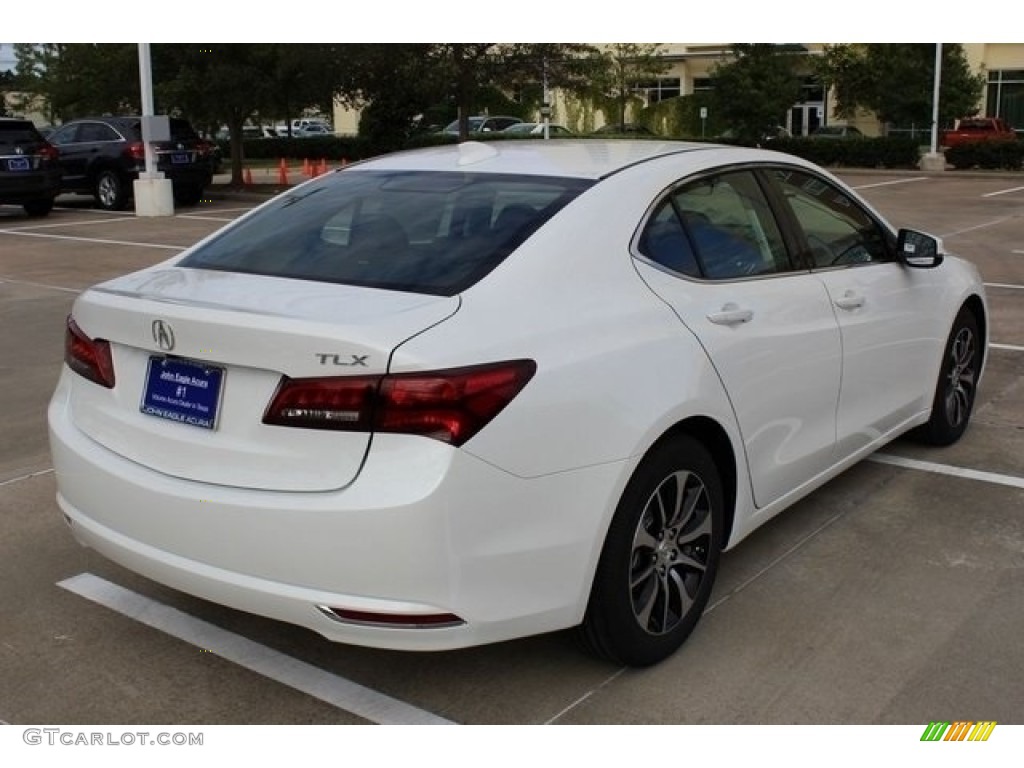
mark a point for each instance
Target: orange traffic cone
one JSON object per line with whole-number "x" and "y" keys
{"x": 282, "y": 173}
{"x": 247, "y": 178}
{"x": 323, "y": 166}
{"x": 306, "y": 170}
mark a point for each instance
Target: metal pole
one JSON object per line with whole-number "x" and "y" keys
{"x": 546, "y": 109}
{"x": 146, "y": 87}
{"x": 935, "y": 99}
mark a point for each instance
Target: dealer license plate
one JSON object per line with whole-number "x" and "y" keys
{"x": 183, "y": 391}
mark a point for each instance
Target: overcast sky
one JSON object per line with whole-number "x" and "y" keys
{"x": 6, "y": 56}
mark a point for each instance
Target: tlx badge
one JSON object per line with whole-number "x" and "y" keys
{"x": 350, "y": 360}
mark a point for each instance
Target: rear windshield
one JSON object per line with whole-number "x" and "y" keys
{"x": 425, "y": 232}
{"x": 17, "y": 132}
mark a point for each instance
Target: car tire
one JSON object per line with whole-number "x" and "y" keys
{"x": 956, "y": 388}
{"x": 188, "y": 195}
{"x": 659, "y": 559}
{"x": 39, "y": 208}
{"x": 110, "y": 191}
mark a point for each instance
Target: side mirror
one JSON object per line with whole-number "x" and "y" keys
{"x": 916, "y": 249}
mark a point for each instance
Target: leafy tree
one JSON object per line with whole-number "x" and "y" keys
{"x": 625, "y": 65}
{"x": 401, "y": 85}
{"x": 755, "y": 89}
{"x": 896, "y": 81}
{"x": 77, "y": 79}
{"x": 6, "y": 86}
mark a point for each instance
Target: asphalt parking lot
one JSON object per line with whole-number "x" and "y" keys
{"x": 892, "y": 595}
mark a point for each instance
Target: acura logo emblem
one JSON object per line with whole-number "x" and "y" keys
{"x": 163, "y": 335}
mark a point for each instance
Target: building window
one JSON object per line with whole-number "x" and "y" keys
{"x": 1006, "y": 96}
{"x": 654, "y": 91}
{"x": 703, "y": 84}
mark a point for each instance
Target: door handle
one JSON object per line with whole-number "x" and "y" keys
{"x": 731, "y": 314}
{"x": 850, "y": 300}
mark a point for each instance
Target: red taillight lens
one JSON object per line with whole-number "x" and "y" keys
{"x": 136, "y": 150}
{"x": 328, "y": 403}
{"x": 48, "y": 152}
{"x": 451, "y": 406}
{"x": 88, "y": 357}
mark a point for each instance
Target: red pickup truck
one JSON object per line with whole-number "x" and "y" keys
{"x": 978, "y": 129}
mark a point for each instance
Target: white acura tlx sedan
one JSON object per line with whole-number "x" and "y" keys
{"x": 471, "y": 393}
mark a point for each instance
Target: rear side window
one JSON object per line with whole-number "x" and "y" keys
{"x": 424, "y": 232}
{"x": 717, "y": 228}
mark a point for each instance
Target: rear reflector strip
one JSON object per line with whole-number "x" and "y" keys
{"x": 392, "y": 620}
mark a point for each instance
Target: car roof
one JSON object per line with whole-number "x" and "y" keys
{"x": 577, "y": 158}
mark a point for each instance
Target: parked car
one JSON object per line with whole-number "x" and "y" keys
{"x": 836, "y": 132}
{"x": 29, "y": 171}
{"x": 102, "y": 157}
{"x": 970, "y": 129}
{"x": 625, "y": 129}
{"x": 300, "y": 126}
{"x": 313, "y": 129}
{"x": 555, "y": 131}
{"x": 484, "y": 124}
{"x": 465, "y": 394}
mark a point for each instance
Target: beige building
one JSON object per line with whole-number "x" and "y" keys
{"x": 690, "y": 71}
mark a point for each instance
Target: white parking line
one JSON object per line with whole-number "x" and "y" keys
{"x": 1005, "y": 285}
{"x": 1011, "y": 347}
{"x": 992, "y": 223}
{"x": 197, "y": 217}
{"x": 890, "y": 183}
{"x": 29, "y": 476}
{"x": 39, "y": 285}
{"x": 1004, "y": 192}
{"x": 946, "y": 469}
{"x": 313, "y": 681}
{"x": 19, "y": 233}
{"x": 51, "y": 225}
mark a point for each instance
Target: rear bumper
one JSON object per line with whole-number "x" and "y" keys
{"x": 425, "y": 529}
{"x": 27, "y": 187}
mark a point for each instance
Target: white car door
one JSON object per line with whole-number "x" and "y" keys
{"x": 888, "y": 314}
{"x": 714, "y": 252}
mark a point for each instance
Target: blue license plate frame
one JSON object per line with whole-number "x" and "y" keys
{"x": 186, "y": 391}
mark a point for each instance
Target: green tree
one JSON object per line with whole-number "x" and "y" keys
{"x": 896, "y": 81}
{"x": 624, "y": 65}
{"x": 6, "y": 86}
{"x": 218, "y": 84}
{"x": 78, "y": 79}
{"x": 756, "y": 87}
{"x": 400, "y": 85}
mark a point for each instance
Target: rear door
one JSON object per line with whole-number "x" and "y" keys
{"x": 713, "y": 250}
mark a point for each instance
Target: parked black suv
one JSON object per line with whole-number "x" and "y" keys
{"x": 102, "y": 156}
{"x": 29, "y": 171}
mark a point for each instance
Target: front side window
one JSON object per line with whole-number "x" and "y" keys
{"x": 838, "y": 231}
{"x": 717, "y": 228}
{"x": 425, "y": 232}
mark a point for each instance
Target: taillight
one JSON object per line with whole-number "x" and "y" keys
{"x": 451, "y": 405}
{"x": 87, "y": 357}
{"x": 136, "y": 150}
{"x": 204, "y": 147}
{"x": 47, "y": 151}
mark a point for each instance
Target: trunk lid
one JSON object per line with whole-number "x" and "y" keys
{"x": 222, "y": 341}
